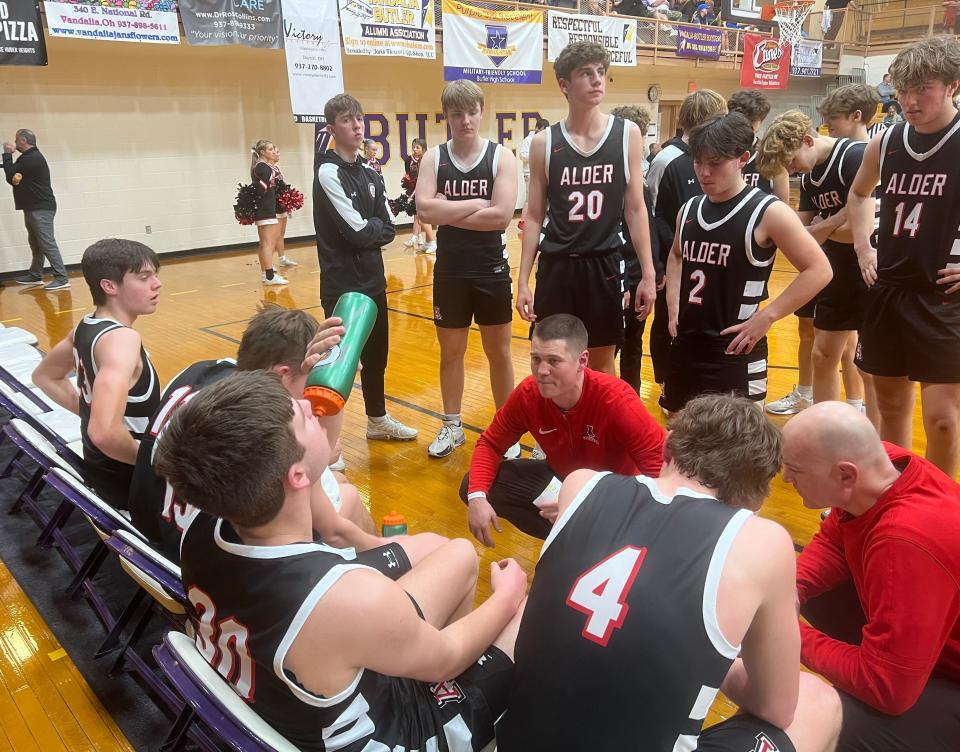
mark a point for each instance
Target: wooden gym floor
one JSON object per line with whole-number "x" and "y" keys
{"x": 206, "y": 301}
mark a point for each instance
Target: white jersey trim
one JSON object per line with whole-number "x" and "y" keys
{"x": 461, "y": 167}
{"x": 597, "y": 146}
{"x": 751, "y": 226}
{"x": 276, "y": 552}
{"x": 712, "y": 584}
{"x": 839, "y": 150}
{"x": 134, "y": 398}
{"x": 709, "y": 226}
{"x": 662, "y": 498}
{"x": 570, "y": 510}
{"x": 547, "y": 144}
{"x": 626, "y": 152}
{"x": 922, "y": 157}
{"x": 884, "y": 141}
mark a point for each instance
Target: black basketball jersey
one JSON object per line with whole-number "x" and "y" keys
{"x": 725, "y": 271}
{"x": 142, "y": 398}
{"x": 259, "y": 592}
{"x": 920, "y": 211}
{"x": 825, "y": 190}
{"x": 752, "y": 176}
{"x": 469, "y": 253}
{"x": 619, "y": 647}
{"x": 585, "y": 191}
{"x": 154, "y": 508}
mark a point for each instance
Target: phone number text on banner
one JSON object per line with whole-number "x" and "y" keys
{"x": 617, "y": 35}
{"x": 402, "y": 28}
{"x": 314, "y": 67}
{"x": 502, "y": 47}
{"x": 82, "y": 21}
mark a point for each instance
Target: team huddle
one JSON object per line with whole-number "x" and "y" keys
{"x": 658, "y": 584}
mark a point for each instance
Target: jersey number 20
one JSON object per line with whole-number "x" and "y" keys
{"x": 601, "y": 593}
{"x": 593, "y": 202}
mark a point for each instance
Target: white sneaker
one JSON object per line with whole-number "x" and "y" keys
{"x": 790, "y": 404}
{"x": 449, "y": 437}
{"x": 538, "y": 453}
{"x": 277, "y": 280}
{"x": 412, "y": 242}
{"x": 286, "y": 261}
{"x": 430, "y": 247}
{"x": 389, "y": 427}
{"x": 339, "y": 465}
{"x": 513, "y": 452}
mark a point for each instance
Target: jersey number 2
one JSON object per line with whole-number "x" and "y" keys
{"x": 699, "y": 279}
{"x": 593, "y": 202}
{"x": 601, "y": 593}
{"x": 223, "y": 643}
{"x": 910, "y": 222}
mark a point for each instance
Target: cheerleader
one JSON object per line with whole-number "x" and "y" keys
{"x": 427, "y": 240}
{"x": 270, "y": 226}
{"x": 370, "y": 154}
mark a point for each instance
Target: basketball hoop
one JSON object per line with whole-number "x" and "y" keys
{"x": 790, "y": 17}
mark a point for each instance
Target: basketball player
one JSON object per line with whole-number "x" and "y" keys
{"x": 119, "y": 388}
{"x": 468, "y": 188}
{"x": 755, "y": 107}
{"x": 524, "y": 155}
{"x": 586, "y": 179}
{"x": 275, "y": 340}
{"x": 653, "y": 593}
{"x": 342, "y": 656}
{"x": 911, "y": 328}
{"x": 718, "y": 269}
{"x": 828, "y": 166}
{"x": 672, "y": 181}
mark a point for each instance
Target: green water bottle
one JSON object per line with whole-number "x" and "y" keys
{"x": 394, "y": 524}
{"x": 330, "y": 381}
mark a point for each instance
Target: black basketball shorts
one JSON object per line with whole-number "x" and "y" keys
{"x": 910, "y": 333}
{"x": 458, "y": 301}
{"x": 696, "y": 368}
{"x": 807, "y": 310}
{"x": 744, "y": 733}
{"x": 589, "y": 287}
{"x": 840, "y": 305}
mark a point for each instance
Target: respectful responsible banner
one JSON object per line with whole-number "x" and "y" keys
{"x": 494, "y": 47}
{"x": 807, "y": 59}
{"x": 401, "y": 28}
{"x": 21, "y": 33}
{"x": 617, "y": 35}
{"x": 252, "y": 23}
{"x": 154, "y": 25}
{"x": 314, "y": 67}
{"x": 765, "y": 63}
{"x": 699, "y": 41}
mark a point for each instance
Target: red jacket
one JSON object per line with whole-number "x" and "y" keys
{"x": 608, "y": 429}
{"x": 904, "y": 558}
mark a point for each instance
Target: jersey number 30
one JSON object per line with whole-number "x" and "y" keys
{"x": 223, "y": 642}
{"x": 601, "y": 593}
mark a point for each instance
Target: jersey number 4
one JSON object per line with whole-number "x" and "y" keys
{"x": 224, "y": 643}
{"x": 593, "y": 202}
{"x": 907, "y": 221}
{"x": 601, "y": 593}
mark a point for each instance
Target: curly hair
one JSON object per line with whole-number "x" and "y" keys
{"x": 752, "y": 104}
{"x": 937, "y": 58}
{"x": 782, "y": 141}
{"x": 577, "y": 54}
{"x": 634, "y": 114}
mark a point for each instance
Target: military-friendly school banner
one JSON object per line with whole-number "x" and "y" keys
{"x": 807, "y": 59}
{"x": 402, "y": 28}
{"x": 312, "y": 44}
{"x": 699, "y": 41}
{"x": 252, "y": 23}
{"x": 618, "y": 35}
{"x": 21, "y": 33}
{"x": 494, "y": 47}
{"x": 765, "y": 63}
{"x": 154, "y": 23}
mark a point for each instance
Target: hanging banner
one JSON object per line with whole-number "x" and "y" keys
{"x": 252, "y": 23}
{"x": 765, "y": 63}
{"x": 314, "y": 68}
{"x": 618, "y": 36}
{"x": 493, "y": 47}
{"x": 388, "y": 27}
{"x": 807, "y": 59}
{"x": 699, "y": 41}
{"x": 150, "y": 22}
{"x": 21, "y": 33}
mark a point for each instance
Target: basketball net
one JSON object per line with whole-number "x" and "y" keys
{"x": 790, "y": 17}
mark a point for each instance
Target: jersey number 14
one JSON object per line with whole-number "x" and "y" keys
{"x": 601, "y": 593}
{"x": 907, "y": 221}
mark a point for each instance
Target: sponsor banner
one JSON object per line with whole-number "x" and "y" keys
{"x": 765, "y": 63}
{"x": 314, "y": 68}
{"x": 618, "y": 35}
{"x": 400, "y": 28}
{"x": 21, "y": 33}
{"x": 150, "y": 22}
{"x": 493, "y": 47}
{"x": 252, "y": 23}
{"x": 806, "y": 59}
{"x": 699, "y": 41}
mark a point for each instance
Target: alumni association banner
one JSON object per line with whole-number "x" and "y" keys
{"x": 21, "y": 33}
{"x": 766, "y": 65}
{"x": 252, "y": 23}
{"x": 493, "y": 47}
{"x": 618, "y": 36}
{"x": 314, "y": 67}
{"x": 401, "y": 28}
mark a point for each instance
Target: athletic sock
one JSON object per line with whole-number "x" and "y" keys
{"x": 856, "y": 403}
{"x": 269, "y": 273}
{"x": 379, "y": 419}
{"x": 452, "y": 419}
{"x": 805, "y": 391}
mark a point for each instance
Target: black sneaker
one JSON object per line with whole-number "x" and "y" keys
{"x": 26, "y": 279}
{"x": 57, "y": 284}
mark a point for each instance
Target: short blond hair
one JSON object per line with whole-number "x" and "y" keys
{"x": 699, "y": 107}
{"x": 782, "y": 141}
{"x": 461, "y": 95}
{"x": 851, "y": 98}
{"x": 937, "y": 58}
